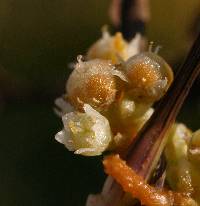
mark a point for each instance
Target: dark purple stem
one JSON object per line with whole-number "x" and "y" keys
{"x": 131, "y": 24}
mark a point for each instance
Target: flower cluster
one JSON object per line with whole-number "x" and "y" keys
{"x": 109, "y": 96}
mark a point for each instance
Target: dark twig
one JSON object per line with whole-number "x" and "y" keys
{"x": 134, "y": 16}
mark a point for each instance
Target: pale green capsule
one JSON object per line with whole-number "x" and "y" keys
{"x": 194, "y": 148}
{"x": 182, "y": 173}
{"x": 178, "y": 168}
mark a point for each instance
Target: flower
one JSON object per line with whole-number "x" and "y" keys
{"x": 114, "y": 48}
{"x": 85, "y": 133}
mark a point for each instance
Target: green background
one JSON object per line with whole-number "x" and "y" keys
{"x": 38, "y": 38}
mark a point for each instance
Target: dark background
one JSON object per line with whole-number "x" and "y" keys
{"x": 38, "y": 38}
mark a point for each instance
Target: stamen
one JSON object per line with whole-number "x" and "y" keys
{"x": 79, "y": 58}
{"x": 157, "y": 49}
{"x": 105, "y": 32}
{"x": 150, "y": 46}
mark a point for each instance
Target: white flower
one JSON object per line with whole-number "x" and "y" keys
{"x": 114, "y": 48}
{"x": 86, "y": 133}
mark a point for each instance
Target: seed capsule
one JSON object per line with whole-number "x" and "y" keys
{"x": 93, "y": 83}
{"x": 149, "y": 76}
{"x": 194, "y": 148}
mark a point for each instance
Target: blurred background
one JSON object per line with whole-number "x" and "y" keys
{"x": 38, "y": 38}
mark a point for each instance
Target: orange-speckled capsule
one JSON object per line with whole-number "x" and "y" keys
{"x": 149, "y": 76}
{"x": 92, "y": 82}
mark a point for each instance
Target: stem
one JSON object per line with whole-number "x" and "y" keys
{"x": 134, "y": 16}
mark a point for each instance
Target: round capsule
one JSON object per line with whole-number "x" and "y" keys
{"x": 149, "y": 76}
{"x": 194, "y": 148}
{"x": 92, "y": 82}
